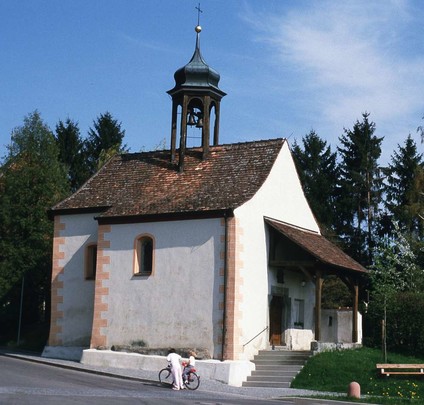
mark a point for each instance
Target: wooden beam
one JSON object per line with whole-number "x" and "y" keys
{"x": 318, "y": 294}
{"x": 306, "y": 273}
{"x": 292, "y": 263}
{"x": 355, "y": 313}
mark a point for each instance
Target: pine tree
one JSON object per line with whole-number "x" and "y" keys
{"x": 104, "y": 139}
{"x": 71, "y": 152}
{"x": 403, "y": 187}
{"x": 318, "y": 172}
{"x": 360, "y": 188}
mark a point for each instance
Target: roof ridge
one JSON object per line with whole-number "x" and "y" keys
{"x": 259, "y": 141}
{"x": 211, "y": 147}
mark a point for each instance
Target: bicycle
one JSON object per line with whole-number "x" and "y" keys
{"x": 192, "y": 382}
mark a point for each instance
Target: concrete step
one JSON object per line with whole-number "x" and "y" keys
{"x": 278, "y": 362}
{"x": 284, "y": 355}
{"x": 270, "y": 378}
{"x": 266, "y": 384}
{"x": 277, "y": 371}
{"x": 285, "y": 351}
{"x": 276, "y": 368}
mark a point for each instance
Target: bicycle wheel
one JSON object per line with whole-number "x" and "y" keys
{"x": 165, "y": 376}
{"x": 193, "y": 381}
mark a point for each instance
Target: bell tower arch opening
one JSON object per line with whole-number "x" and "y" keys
{"x": 196, "y": 100}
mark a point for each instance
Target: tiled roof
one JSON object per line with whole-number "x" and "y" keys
{"x": 147, "y": 183}
{"x": 318, "y": 246}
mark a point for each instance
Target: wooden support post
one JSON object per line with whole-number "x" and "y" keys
{"x": 174, "y": 130}
{"x": 318, "y": 294}
{"x": 355, "y": 313}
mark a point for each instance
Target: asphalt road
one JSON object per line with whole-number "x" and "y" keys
{"x": 23, "y": 383}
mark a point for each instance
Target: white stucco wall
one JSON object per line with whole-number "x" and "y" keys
{"x": 156, "y": 309}
{"x": 280, "y": 197}
{"x": 338, "y": 329}
{"x": 78, "y": 293}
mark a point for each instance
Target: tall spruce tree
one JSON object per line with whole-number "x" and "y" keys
{"x": 403, "y": 187}
{"x": 32, "y": 181}
{"x": 360, "y": 188}
{"x": 104, "y": 139}
{"x": 318, "y": 172}
{"x": 71, "y": 152}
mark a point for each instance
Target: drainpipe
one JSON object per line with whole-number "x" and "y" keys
{"x": 224, "y": 314}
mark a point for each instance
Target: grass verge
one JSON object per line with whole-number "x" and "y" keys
{"x": 333, "y": 371}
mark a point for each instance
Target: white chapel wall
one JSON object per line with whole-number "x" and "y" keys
{"x": 178, "y": 305}
{"x": 78, "y": 293}
{"x": 280, "y": 197}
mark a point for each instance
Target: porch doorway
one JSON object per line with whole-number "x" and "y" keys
{"x": 276, "y": 308}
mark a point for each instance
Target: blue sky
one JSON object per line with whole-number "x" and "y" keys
{"x": 288, "y": 66}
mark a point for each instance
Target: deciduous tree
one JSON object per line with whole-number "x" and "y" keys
{"x": 32, "y": 181}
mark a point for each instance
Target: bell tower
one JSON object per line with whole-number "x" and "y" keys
{"x": 195, "y": 97}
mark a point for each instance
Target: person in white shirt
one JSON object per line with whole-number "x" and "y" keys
{"x": 174, "y": 359}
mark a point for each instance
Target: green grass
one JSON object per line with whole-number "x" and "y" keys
{"x": 333, "y": 371}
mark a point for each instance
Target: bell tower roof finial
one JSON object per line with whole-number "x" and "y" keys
{"x": 198, "y": 28}
{"x": 196, "y": 73}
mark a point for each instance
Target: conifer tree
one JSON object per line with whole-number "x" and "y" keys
{"x": 104, "y": 138}
{"x": 71, "y": 152}
{"x": 318, "y": 172}
{"x": 403, "y": 187}
{"x": 360, "y": 188}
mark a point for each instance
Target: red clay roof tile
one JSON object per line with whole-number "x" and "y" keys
{"x": 147, "y": 183}
{"x": 317, "y": 245}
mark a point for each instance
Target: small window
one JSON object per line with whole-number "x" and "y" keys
{"x": 143, "y": 256}
{"x": 90, "y": 262}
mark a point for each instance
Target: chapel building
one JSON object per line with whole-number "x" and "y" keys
{"x": 212, "y": 247}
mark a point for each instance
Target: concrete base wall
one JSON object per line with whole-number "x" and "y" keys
{"x": 63, "y": 352}
{"x": 229, "y": 372}
{"x": 317, "y": 347}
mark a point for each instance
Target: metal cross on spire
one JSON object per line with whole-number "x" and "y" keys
{"x": 198, "y": 13}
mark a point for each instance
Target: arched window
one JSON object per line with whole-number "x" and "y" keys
{"x": 90, "y": 261}
{"x": 143, "y": 263}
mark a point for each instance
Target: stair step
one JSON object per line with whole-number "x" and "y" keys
{"x": 275, "y": 372}
{"x": 279, "y": 362}
{"x": 266, "y": 384}
{"x": 284, "y": 349}
{"x": 283, "y": 355}
{"x": 270, "y": 378}
{"x": 276, "y": 368}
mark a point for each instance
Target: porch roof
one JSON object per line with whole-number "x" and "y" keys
{"x": 317, "y": 245}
